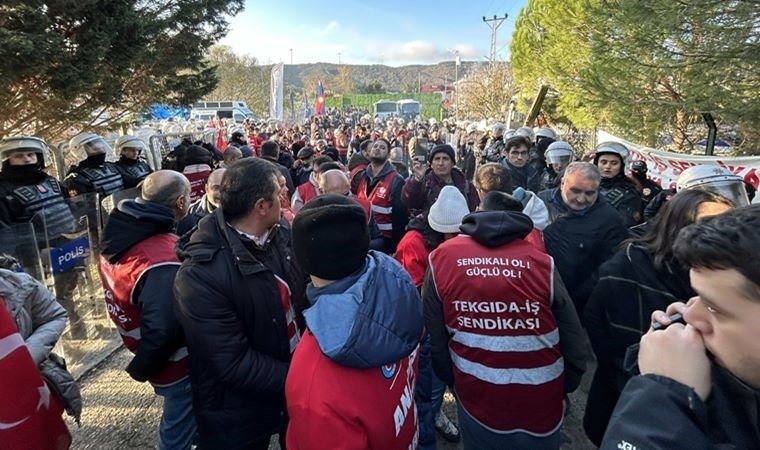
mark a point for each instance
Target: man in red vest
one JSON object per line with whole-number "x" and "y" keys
{"x": 381, "y": 185}
{"x": 504, "y": 332}
{"x": 137, "y": 267}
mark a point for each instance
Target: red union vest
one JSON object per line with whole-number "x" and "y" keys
{"x": 508, "y": 370}
{"x": 307, "y": 191}
{"x": 380, "y": 199}
{"x": 119, "y": 281}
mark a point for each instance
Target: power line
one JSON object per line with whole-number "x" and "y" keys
{"x": 494, "y": 24}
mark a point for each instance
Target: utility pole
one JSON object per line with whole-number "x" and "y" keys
{"x": 338, "y": 58}
{"x": 494, "y": 25}
{"x": 291, "y": 56}
{"x": 456, "y": 85}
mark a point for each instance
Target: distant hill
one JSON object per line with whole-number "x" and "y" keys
{"x": 393, "y": 79}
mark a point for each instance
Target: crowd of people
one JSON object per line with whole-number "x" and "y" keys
{"x": 328, "y": 282}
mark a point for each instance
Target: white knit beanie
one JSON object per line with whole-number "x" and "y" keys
{"x": 447, "y": 212}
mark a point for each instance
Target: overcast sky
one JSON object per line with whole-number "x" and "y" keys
{"x": 392, "y": 32}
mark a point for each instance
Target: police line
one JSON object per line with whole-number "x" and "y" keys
{"x": 664, "y": 167}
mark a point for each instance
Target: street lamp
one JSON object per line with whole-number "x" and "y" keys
{"x": 455, "y": 52}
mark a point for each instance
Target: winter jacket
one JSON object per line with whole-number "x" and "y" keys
{"x": 160, "y": 334}
{"x": 229, "y": 299}
{"x": 657, "y": 412}
{"x": 621, "y": 193}
{"x": 580, "y": 241}
{"x": 195, "y": 213}
{"x": 420, "y": 195}
{"x": 500, "y": 229}
{"x": 412, "y": 253}
{"x": 39, "y": 317}
{"x": 525, "y": 177}
{"x": 618, "y": 313}
{"x": 352, "y": 380}
{"x": 40, "y": 320}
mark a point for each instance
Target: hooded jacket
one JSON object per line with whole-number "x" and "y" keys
{"x": 456, "y": 337}
{"x": 160, "y": 332}
{"x": 352, "y": 378}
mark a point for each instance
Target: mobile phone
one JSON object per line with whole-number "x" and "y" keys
{"x": 675, "y": 318}
{"x": 420, "y": 159}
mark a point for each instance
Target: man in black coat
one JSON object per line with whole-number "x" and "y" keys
{"x": 234, "y": 301}
{"x": 583, "y": 230}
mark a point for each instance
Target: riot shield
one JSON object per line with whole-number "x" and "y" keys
{"x": 21, "y": 242}
{"x": 71, "y": 260}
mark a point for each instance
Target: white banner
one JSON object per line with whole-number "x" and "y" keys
{"x": 664, "y": 167}
{"x": 275, "y": 98}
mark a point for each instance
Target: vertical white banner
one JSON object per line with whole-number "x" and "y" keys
{"x": 275, "y": 86}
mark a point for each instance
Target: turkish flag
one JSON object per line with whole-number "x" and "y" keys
{"x": 30, "y": 414}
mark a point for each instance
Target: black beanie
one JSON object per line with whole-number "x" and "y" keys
{"x": 445, "y": 148}
{"x": 331, "y": 237}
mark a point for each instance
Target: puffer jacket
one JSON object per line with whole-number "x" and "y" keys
{"x": 40, "y": 320}
{"x": 361, "y": 350}
{"x": 39, "y": 317}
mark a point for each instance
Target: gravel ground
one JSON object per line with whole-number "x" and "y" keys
{"x": 120, "y": 413}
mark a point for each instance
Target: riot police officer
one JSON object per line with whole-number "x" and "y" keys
{"x": 94, "y": 173}
{"x": 495, "y": 145}
{"x": 131, "y": 167}
{"x": 647, "y": 188}
{"x": 558, "y": 156}
{"x": 615, "y": 187}
{"x": 25, "y": 191}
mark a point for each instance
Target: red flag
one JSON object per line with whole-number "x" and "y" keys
{"x": 320, "y": 106}
{"x": 30, "y": 414}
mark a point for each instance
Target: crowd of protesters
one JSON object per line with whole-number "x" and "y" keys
{"x": 328, "y": 282}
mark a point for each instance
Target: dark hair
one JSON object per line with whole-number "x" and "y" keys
{"x": 195, "y": 154}
{"x": 493, "y": 177}
{"x": 515, "y": 142}
{"x": 500, "y": 201}
{"x": 364, "y": 144}
{"x": 388, "y": 144}
{"x": 328, "y": 165}
{"x": 727, "y": 241}
{"x": 270, "y": 149}
{"x": 319, "y": 160}
{"x": 430, "y": 237}
{"x": 244, "y": 183}
{"x": 676, "y": 214}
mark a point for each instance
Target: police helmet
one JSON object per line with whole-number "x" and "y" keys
{"x": 18, "y": 144}
{"x": 716, "y": 179}
{"x": 498, "y": 128}
{"x": 90, "y": 144}
{"x": 559, "y": 152}
{"x": 509, "y": 133}
{"x": 129, "y": 141}
{"x": 545, "y": 132}
{"x": 639, "y": 166}
{"x": 526, "y": 132}
{"x": 614, "y": 148}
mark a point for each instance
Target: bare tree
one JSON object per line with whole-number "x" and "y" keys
{"x": 486, "y": 92}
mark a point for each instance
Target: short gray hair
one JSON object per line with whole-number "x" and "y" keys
{"x": 584, "y": 169}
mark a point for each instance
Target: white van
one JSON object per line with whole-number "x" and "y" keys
{"x": 235, "y": 110}
{"x": 385, "y": 109}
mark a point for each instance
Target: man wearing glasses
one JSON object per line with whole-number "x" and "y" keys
{"x": 515, "y": 159}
